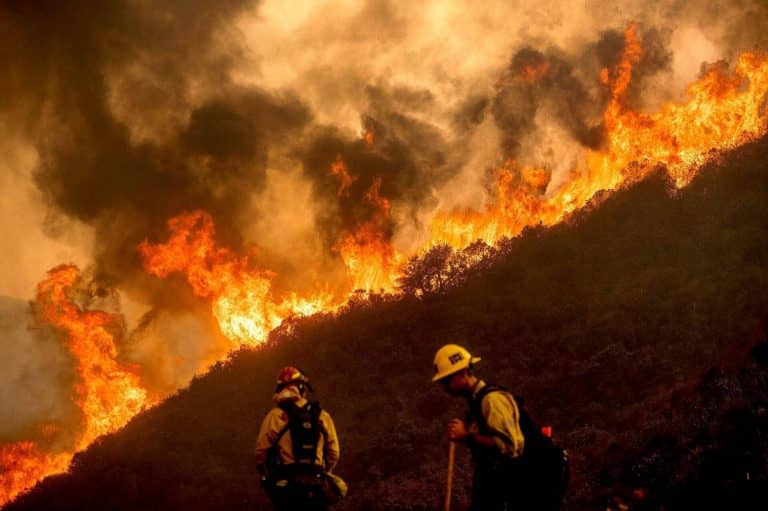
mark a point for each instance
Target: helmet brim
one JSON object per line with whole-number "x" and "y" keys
{"x": 453, "y": 370}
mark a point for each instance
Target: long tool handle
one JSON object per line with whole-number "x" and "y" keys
{"x": 449, "y": 482}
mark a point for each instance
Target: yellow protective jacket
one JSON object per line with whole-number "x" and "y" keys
{"x": 327, "y": 454}
{"x": 502, "y": 418}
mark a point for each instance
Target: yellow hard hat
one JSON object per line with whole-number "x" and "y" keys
{"x": 450, "y": 359}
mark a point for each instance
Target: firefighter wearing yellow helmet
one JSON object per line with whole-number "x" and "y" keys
{"x": 297, "y": 447}
{"x": 491, "y": 430}
{"x": 450, "y": 359}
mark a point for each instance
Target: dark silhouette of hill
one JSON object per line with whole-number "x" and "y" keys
{"x": 631, "y": 328}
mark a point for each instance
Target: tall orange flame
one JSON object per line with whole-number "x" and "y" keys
{"x": 371, "y": 260}
{"x": 241, "y": 295}
{"x": 724, "y": 109}
{"x": 107, "y": 393}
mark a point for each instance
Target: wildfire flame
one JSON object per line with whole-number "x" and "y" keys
{"x": 339, "y": 169}
{"x": 241, "y": 295}
{"x": 22, "y": 464}
{"x": 372, "y": 263}
{"x": 107, "y": 393}
{"x": 369, "y": 139}
{"x": 724, "y": 110}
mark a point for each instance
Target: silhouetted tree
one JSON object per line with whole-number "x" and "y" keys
{"x": 433, "y": 272}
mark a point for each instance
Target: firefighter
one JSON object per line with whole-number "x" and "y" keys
{"x": 491, "y": 430}
{"x": 297, "y": 447}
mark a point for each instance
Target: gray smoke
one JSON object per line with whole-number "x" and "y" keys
{"x": 127, "y": 113}
{"x": 36, "y": 377}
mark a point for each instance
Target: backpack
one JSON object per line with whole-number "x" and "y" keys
{"x": 545, "y": 463}
{"x": 303, "y": 477}
{"x": 304, "y": 425}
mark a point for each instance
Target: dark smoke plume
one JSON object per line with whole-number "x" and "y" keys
{"x": 407, "y": 155}
{"x": 96, "y": 166}
{"x": 133, "y": 112}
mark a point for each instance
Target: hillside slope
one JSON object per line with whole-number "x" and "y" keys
{"x": 605, "y": 324}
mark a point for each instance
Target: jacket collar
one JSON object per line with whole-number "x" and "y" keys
{"x": 478, "y": 388}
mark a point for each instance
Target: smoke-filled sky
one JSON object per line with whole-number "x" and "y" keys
{"x": 119, "y": 114}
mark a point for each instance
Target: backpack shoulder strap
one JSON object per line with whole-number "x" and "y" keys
{"x": 476, "y": 402}
{"x": 476, "y": 410}
{"x": 290, "y": 408}
{"x": 487, "y": 389}
{"x": 273, "y": 459}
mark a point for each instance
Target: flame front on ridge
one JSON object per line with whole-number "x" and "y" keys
{"x": 723, "y": 109}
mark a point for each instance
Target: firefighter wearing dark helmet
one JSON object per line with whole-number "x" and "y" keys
{"x": 297, "y": 447}
{"x": 491, "y": 430}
